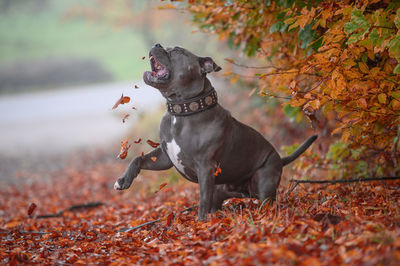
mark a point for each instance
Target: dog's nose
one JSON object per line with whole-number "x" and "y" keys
{"x": 157, "y": 45}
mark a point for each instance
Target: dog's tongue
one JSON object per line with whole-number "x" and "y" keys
{"x": 161, "y": 72}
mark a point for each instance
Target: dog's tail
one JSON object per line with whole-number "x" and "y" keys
{"x": 299, "y": 151}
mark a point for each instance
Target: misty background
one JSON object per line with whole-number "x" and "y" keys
{"x": 63, "y": 64}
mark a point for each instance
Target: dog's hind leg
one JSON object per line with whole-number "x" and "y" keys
{"x": 265, "y": 180}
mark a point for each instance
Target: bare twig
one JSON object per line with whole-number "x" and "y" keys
{"x": 275, "y": 96}
{"x": 256, "y": 67}
{"x": 367, "y": 179}
{"x": 128, "y": 229}
{"x": 72, "y": 208}
{"x": 25, "y": 232}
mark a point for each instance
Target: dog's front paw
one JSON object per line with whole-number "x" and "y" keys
{"x": 122, "y": 183}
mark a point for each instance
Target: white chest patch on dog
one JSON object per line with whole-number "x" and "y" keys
{"x": 174, "y": 120}
{"x": 173, "y": 151}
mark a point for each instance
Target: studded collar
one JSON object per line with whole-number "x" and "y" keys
{"x": 193, "y": 106}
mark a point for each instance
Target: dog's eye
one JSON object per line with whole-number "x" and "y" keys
{"x": 178, "y": 49}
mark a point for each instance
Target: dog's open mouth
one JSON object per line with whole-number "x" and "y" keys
{"x": 159, "y": 74}
{"x": 158, "y": 70}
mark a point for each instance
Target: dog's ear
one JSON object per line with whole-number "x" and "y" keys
{"x": 208, "y": 65}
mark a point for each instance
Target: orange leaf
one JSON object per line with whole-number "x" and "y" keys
{"x": 122, "y": 100}
{"x": 167, "y": 6}
{"x": 363, "y": 103}
{"x": 12, "y": 224}
{"x": 382, "y": 98}
{"x": 315, "y": 104}
{"x": 395, "y": 105}
{"x": 345, "y": 134}
{"x": 363, "y": 67}
{"x": 161, "y": 187}
{"x": 154, "y": 159}
{"x": 229, "y": 60}
{"x": 297, "y": 102}
{"x": 124, "y": 149}
{"x": 234, "y": 79}
{"x": 227, "y": 73}
{"x": 152, "y": 143}
{"x": 217, "y": 171}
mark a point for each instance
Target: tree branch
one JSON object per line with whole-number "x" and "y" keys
{"x": 255, "y": 67}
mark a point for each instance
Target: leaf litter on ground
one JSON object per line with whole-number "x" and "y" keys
{"x": 353, "y": 224}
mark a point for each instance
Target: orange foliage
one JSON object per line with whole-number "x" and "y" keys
{"x": 338, "y": 61}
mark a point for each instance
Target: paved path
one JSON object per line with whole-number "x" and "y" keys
{"x": 60, "y": 120}
{"x": 35, "y": 126}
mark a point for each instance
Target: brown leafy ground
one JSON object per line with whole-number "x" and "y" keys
{"x": 328, "y": 225}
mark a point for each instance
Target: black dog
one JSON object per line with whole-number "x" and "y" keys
{"x": 199, "y": 137}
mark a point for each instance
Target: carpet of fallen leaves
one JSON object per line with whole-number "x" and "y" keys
{"x": 312, "y": 225}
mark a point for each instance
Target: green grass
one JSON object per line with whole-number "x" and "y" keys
{"x": 27, "y": 36}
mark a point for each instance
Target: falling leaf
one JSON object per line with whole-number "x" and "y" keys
{"x": 136, "y": 86}
{"x": 122, "y": 100}
{"x": 143, "y": 57}
{"x": 137, "y": 141}
{"x": 229, "y": 60}
{"x": 217, "y": 171}
{"x": 252, "y": 92}
{"x": 31, "y": 208}
{"x": 234, "y": 79}
{"x": 124, "y": 149}
{"x": 161, "y": 187}
{"x": 125, "y": 117}
{"x": 152, "y": 143}
{"x": 167, "y": 6}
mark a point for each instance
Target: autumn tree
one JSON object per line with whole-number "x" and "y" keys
{"x": 336, "y": 62}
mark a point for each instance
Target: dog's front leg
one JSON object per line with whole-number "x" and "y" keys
{"x": 154, "y": 160}
{"x": 206, "y": 181}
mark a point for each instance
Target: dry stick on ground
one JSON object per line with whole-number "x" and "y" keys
{"x": 76, "y": 207}
{"x": 72, "y": 208}
{"x": 297, "y": 181}
{"x": 128, "y": 229}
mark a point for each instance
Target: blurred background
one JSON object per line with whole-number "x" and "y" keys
{"x": 63, "y": 64}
